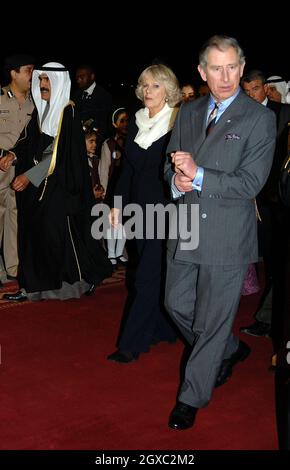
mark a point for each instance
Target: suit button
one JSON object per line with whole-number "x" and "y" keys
{"x": 203, "y": 216}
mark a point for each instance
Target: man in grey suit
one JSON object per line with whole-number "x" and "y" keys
{"x": 221, "y": 149}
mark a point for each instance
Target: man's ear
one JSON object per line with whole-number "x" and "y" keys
{"x": 202, "y": 72}
{"x": 13, "y": 74}
{"x": 242, "y": 69}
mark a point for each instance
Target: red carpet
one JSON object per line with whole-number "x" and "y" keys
{"x": 58, "y": 391}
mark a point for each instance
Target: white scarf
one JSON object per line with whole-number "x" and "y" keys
{"x": 151, "y": 129}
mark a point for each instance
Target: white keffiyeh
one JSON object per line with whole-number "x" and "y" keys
{"x": 281, "y": 86}
{"x": 60, "y": 91}
{"x": 151, "y": 129}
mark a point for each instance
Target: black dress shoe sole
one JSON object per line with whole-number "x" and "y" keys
{"x": 178, "y": 427}
{"x": 256, "y": 333}
{"x": 20, "y": 299}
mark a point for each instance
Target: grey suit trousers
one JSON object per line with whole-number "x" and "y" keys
{"x": 203, "y": 300}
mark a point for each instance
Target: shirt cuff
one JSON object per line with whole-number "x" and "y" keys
{"x": 198, "y": 180}
{"x": 174, "y": 191}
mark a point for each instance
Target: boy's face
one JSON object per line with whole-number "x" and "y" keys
{"x": 91, "y": 143}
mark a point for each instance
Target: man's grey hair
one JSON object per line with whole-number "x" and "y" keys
{"x": 221, "y": 43}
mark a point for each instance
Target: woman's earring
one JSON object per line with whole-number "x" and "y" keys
{"x": 166, "y": 99}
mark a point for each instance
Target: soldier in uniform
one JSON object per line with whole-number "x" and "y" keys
{"x": 16, "y": 107}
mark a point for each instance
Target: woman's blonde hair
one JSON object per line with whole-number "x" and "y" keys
{"x": 162, "y": 74}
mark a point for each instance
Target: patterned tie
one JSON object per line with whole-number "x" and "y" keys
{"x": 85, "y": 95}
{"x": 212, "y": 119}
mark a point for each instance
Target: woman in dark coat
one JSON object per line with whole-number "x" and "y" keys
{"x": 141, "y": 182}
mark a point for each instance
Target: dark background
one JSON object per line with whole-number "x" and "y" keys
{"x": 121, "y": 42}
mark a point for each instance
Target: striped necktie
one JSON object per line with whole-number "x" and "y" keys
{"x": 212, "y": 119}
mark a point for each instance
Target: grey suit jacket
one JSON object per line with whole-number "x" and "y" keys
{"x": 237, "y": 157}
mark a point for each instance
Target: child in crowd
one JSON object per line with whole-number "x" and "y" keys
{"x": 112, "y": 154}
{"x": 93, "y": 160}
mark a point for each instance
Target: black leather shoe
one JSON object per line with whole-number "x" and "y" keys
{"x": 259, "y": 328}
{"x": 124, "y": 357}
{"x": 16, "y": 297}
{"x": 122, "y": 260}
{"x": 114, "y": 263}
{"x": 227, "y": 365}
{"x": 11, "y": 278}
{"x": 182, "y": 416}
{"x": 91, "y": 289}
